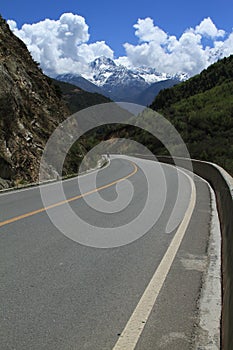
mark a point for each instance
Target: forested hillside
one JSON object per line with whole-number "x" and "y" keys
{"x": 76, "y": 98}
{"x": 215, "y": 75}
{"x": 201, "y": 109}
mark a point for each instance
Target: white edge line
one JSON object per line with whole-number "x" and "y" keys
{"x": 135, "y": 325}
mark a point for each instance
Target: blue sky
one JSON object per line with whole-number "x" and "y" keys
{"x": 170, "y": 36}
{"x": 113, "y": 21}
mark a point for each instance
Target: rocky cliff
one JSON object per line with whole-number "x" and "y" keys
{"x": 30, "y": 109}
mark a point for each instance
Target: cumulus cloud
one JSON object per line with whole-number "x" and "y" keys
{"x": 170, "y": 54}
{"x": 208, "y": 28}
{"x": 147, "y": 31}
{"x": 62, "y": 46}
{"x": 227, "y": 46}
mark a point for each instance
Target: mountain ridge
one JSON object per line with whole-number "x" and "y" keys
{"x": 120, "y": 83}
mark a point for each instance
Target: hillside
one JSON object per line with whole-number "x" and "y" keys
{"x": 76, "y": 98}
{"x": 201, "y": 109}
{"x": 29, "y": 109}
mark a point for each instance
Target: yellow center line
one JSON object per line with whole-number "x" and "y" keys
{"x": 41, "y": 210}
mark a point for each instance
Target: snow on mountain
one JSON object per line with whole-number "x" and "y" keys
{"x": 119, "y": 82}
{"x": 102, "y": 63}
{"x": 102, "y": 68}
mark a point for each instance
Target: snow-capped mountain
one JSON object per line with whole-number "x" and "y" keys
{"x": 102, "y": 68}
{"x": 119, "y": 82}
{"x": 106, "y": 72}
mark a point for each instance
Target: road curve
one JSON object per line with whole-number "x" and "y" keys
{"x": 58, "y": 294}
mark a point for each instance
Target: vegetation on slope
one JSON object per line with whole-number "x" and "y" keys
{"x": 201, "y": 109}
{"x": 76, "y": 98}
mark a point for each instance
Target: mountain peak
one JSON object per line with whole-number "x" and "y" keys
{"x": 121, "y": 83}
{"x": 102, "y": 62}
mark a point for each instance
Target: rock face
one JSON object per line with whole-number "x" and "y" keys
{"x": 30, "y": 109}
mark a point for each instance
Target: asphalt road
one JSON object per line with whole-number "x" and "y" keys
{"x": 58, "y": 294}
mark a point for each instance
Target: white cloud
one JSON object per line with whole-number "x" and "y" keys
{"x": 62, "y": 46}
{"x": 94, "y": 50}
{"x": 146, "y": 31}
{"x": 122, "y": 60}
{"x": 183, "y": 55}
{"x": 209, "y": 29}
{"x": 12, "y": 24}
{"x": 227, "y": 46}
{"x": 170, "y": 54}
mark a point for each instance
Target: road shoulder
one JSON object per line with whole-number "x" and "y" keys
{"x": 178, "y": 318}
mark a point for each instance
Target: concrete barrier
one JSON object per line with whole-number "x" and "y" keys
{"x": 222, "y": 184}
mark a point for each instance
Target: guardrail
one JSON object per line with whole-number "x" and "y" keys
{"x": 222, "y": 184}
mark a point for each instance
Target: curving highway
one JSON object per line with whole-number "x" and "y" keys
{"x": 115, "y": 287}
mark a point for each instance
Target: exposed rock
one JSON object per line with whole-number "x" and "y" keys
{"x": 30, "y": 109}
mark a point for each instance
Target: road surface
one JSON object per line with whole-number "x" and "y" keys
{"x": 57, "y": 294}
